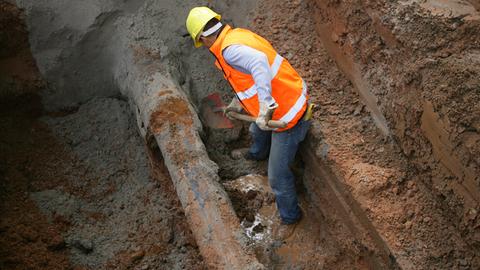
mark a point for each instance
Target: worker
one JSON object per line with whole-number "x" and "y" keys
{"x": 268, "y": 88}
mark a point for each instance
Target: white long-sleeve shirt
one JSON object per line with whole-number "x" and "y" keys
{"x": 254, "y": 62}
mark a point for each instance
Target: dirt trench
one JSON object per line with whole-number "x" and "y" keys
{"x": 387, "y": 177}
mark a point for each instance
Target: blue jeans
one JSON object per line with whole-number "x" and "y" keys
{"x": 282, "y": 147}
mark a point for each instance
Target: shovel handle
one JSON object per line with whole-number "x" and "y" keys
{"x": 248, "y": 118}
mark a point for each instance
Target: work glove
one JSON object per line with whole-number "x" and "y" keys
{"x": 234, "y": 106}
{"x": 265, "y": 115}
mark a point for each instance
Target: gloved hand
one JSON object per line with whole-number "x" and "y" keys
{"x": 265, "y": 115}
{"x": 234, "y": 106}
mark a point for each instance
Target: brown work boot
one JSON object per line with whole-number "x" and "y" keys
{"x": 285, "y": 231}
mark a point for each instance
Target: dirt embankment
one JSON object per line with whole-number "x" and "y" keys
{"x": 420, "y": 64}
{"x": 347, "y": 54}
{"x": 18, "y": 71}
{"x": 79, "y": 190}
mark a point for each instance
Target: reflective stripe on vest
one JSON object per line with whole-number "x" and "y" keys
{"x": 252, "y": 91}
{"x": 301, "y": 101}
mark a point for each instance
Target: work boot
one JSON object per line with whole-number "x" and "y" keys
{"x": 285, "y": 231}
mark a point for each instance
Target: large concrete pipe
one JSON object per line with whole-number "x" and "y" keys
{"x": 163, "y": 111}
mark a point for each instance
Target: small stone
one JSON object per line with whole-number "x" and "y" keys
{"x": 258, "y": 228}
{"x": 410, "y": 184}
{"x": 56, "y": 243}
{"x": 84, "y": 245}
{"x": 358, "y": 109}
{"x": 426, "y": 219}
{"x": 239, "y": 153}
{"x": 137, "y": 255}
{"x": 408, "y": 225}
{"x": 472, "y": 214}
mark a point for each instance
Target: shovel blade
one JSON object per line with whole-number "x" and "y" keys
{"x": 211, "y": 111}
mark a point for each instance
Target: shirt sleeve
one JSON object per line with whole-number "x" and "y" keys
{"x": 254, "y": 62}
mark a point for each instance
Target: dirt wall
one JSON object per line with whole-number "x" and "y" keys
{"x": 417, "y": 65}
{"x": 18, "y": 70}
{"x": 370, "y": 193}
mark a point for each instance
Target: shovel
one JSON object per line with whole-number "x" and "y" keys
{"x": 211, "y": 110}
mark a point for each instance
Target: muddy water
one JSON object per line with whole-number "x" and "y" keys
{"x": 311, "y": 246}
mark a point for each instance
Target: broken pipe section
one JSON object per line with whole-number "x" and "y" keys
{"x": 163, "y": 111}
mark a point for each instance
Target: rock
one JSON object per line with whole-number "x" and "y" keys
{"x": 358, "y": 109}
{"x": 471, "y": 214}
{"x": 138, "y": 255}
{"x": 56, "y": 243}
{"x": 84, "y": 245}
{"x": 408, "y": 225}
{"x": 258, "y": 228}
{"x": 239, "y": 153}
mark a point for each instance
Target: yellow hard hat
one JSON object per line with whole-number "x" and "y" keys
{"x": 196, "y": 21}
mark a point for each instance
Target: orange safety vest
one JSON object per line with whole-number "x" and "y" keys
{"x": 288, "y": 88}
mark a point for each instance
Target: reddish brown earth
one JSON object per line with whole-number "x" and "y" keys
{"x": 18, "y": 71}
{"x": 27, "y": 238}
{"x": 417, "y": 188}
